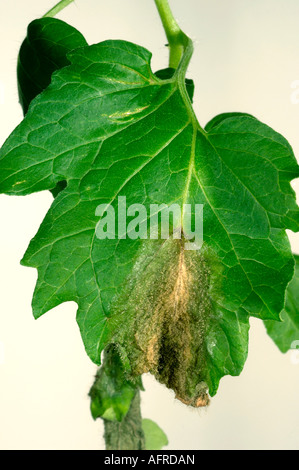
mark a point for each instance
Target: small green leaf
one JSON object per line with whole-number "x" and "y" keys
{"x": 286, "y": 332}
{"x": 155, "y": 438}
{"x": 111, "y": 394}
{"x": 44, "y": 51}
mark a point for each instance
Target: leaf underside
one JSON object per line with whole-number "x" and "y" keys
{"x": 109, "y": 127}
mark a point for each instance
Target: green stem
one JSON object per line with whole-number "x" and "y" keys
{"x": 55, "y": 10}
{"x": 177, "y": 40}
{"x": 181, "y": 51}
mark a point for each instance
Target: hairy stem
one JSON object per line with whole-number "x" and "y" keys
{"x": 57, "y": 8}
{"x": 127, "y": 434}
{"x": 177, "y": 40}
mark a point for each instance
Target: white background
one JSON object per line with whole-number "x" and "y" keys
{"x": 246, "y": 59}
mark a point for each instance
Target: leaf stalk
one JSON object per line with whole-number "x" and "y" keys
{"x": 57, "y": 8}
{"x": 177, "y": 39}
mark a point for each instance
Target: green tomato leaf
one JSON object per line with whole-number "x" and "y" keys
{"x": 118, "y": 135}
{"x": 111, "y": 394}
{"x": 44, "y": 51}
{"x": 155, "y": 438}
{"x": 286, "y": 333}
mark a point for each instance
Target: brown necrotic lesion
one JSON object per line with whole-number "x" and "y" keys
{"x": 168, "y": 305}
